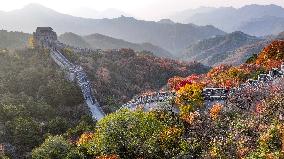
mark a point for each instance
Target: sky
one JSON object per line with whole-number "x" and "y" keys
{"x": 145, "y": 9}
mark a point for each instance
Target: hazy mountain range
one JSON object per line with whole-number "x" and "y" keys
{"x": 172, "y": 37}
{"x": 99, "y": 41}
{"x": 92, "y": 13}
{"x": 256, "y": 20}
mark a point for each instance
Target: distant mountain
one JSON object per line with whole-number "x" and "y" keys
{"x": 184, "y": 16}
{"x": 280, "y": 36}
{"x": 244, "y": 19}
{"x": 166, "y": 21}
{"x": 99, "y": 41}
{"x": 73, "y": 40}
{"x": 243, "y": 53}
{"x": 215, "y": 50}
{"x": 172, "y": 37}
{"x": 92, "y": 13}
{"x": 264, "y": 26}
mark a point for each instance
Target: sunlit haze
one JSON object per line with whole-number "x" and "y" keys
{"x": 144, "y": 9}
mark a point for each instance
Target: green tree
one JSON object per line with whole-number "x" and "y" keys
{"x": 57, "y": 126}
{"x": 128, "y": 134}
{"x": 56, "y": 147}
{"x": 25, "y": 133}
{"x": 133, "y": 135}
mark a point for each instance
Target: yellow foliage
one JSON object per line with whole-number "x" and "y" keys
{"x": 190, "y": 117}
{"x": 31, "y": 42}
{"x": 171, "y": 132}
{"x": 190, "y": 94}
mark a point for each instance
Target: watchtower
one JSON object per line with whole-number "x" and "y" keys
{"x": 44, "y": 35}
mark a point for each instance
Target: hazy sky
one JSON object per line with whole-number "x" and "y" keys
{"x": 146, "y": 9}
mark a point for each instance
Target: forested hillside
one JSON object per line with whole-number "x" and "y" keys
{"x": 35, "y": 100}
{"x": 13, "y": 40}
{"x": 119, "y": 75}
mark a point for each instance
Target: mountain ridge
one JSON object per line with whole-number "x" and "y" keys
{"x": 231, "y": 19}
{"x": 99, "y": 41}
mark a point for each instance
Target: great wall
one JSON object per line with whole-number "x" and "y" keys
{"x": 47, "y": 38}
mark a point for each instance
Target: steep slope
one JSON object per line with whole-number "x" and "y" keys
{"x": 231, "y": 19}
{"x": 214, "y": 50}
{"x": 99, "y": 41}
{"x": 172, "y": 37}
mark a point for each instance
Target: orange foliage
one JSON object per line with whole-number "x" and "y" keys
{"x": 259, "y": 108}
{"x": 85, "y": 138}
{"x": 215, "y": 111}
{"x": 272, "y": 55}
{"x": 217, "y": 70}
{"x": 176, "y": 83}
{"x": 190, "y": 117}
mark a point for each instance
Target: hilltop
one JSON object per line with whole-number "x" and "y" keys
{"x": 99, "y": 41}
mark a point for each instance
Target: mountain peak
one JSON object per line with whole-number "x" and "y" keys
{"x": 166, "y": 21}
{"x": 34, "y": 6}
{"x": 123, "y": 17}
